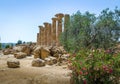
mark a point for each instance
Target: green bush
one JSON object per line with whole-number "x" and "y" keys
{"x": 87, "y": 30}
{"x": 95, "y": 67}
{"x": 7, "y": 46}
{"x": 19, "y": 42}
{"x": 0, "y": 46}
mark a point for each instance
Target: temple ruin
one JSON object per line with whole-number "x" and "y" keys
{"x": 49, "y": 33}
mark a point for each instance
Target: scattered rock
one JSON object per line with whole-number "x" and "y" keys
{"x": 62, "y": 50}
{"x": 44, "y": 53}
{"x": 32, "y": 46}
{"x": 51, "y": 55}
{"x": 26, "y": 49}
{"x": 57, "y": 55}
{"x": 50, "y": 60}
{"x": 13, "y": 63}
{"x": 20, "y": 55}
{"x": 8, "y": 51}
{"x": 65, "y": 57}
{"x": 55, "y": 51}
{"x": 18, "y": 48}
{"x": 54, "y": 60}
{"x": 37, "y": 52}
{"x": 41, "y": 52}
{"x": 38, "y": 62}
{"x": 23, "y": 48}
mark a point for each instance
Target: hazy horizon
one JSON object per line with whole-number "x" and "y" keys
{"x": 19, "y": 19}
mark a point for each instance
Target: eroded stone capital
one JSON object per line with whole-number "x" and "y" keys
{"x": 59, "y": 15}
{"x": 45, "y": 23}
{"x": 40, "y": 28}
{"x": 54, "y": 19}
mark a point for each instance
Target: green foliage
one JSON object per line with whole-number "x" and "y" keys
{"x": 95, "y": 67}
{"x": 108, "y": 28}
{"x": 19, "y": 42}
{"x": 29, "y": 43}
{"x": 24, "y": 42}
{"x": 0, "y": 46}
{"x": 87, "y": 30}
{"x": 7, "y": 46}
{"x": 12, "y": 45}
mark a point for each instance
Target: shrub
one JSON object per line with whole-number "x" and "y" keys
{"x": 19, "y": 42}
{"x": 95, "y": 67}
{"x": 7, "y": 46}
{"x": 88, "y": 30}
{"x": 0, "y": 46}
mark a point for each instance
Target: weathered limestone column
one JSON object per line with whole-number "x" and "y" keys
{"x": 37, "y": 38}
{"x": 41, "y": 35}
{"x": 66, "y": 21}
{"x": 50, "y": 34}
{"x": 46, "y": 33}
{"x": 54, "y": 31}
{"x": 59, "y": 30}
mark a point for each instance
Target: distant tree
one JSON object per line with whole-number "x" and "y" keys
{"x": 19, "y": 42}
{"x": 29, "y": 42}
{"x": 107, "y": 28}
{"x": 87, "y": 30}
{"x": 0, "y": 46}
{"x": 24, "y": 42}
{"x": 11, "y": 45}
{"x": 7, "y": 46}
{"x": 78, "y": 31}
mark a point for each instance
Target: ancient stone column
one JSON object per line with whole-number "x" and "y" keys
{"x": 37, "y": 38}
{"x": 46, "y": 33}
{"x": 41, "y": 35}
{"x": 49, "y": 39}
{"x": 66, "y": 21}
{"x": 54, "y": 31}
{"x": 59, "y": 30}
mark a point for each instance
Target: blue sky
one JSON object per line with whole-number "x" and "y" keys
{"x": 19, "y": 19}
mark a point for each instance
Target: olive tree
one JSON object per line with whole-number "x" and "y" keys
{"x": 87, "y": 30}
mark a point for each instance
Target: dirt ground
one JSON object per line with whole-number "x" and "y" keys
{"x": 27, "y": 74}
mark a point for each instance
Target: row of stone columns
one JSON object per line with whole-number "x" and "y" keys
{"x": 49, "y": 33}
